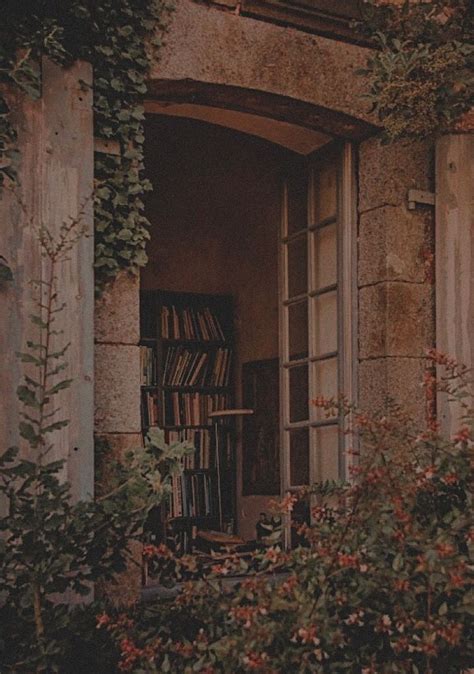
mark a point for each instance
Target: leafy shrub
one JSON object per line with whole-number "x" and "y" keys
{"x": 384, "y": 583}
{"x": 421, "y": 71}
{"x": 52, "y": 550}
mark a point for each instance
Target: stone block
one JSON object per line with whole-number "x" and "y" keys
{"x": 261, "y": 56}
{"x": 117, "y": 311}
{"x": 395, "y": 319}
{"x": 117, "y": 389}
{"x": 387, "y": 172}
{"x": 399, "y": 379}
{"x": 393, "y": 245}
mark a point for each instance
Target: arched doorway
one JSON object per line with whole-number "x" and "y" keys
{"x": 221, "y": 179}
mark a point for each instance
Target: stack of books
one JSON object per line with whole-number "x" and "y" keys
{"x": 201, "y": 439}
{"x": 191, "y": 496}
{"x": 189, "y": 323}
{"x": 185, "y": 367}
{"x": 191, "y": 409}
{"x": 150, "y": 409}
{"x": 147, "y": 366}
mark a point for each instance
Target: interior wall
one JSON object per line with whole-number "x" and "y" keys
{"x": 215, "y": 213}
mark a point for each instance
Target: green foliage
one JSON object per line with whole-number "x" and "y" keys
{"x": 116, "y": 36}
{"x": 383, "y": 584}
{"x": 421, "y": 74}
{"x": 51, "y": 548}
{"x": 5, "y": 271}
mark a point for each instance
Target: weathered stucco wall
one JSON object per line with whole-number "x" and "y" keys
{"x": 55, "y": 173}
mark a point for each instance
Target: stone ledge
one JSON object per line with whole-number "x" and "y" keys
{"x": 392, "y": 245}
{"x": 395, "y": 319}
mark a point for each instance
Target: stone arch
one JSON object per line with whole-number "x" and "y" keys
{"x": 219, "y": 58}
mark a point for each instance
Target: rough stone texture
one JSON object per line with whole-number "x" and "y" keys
{"x": 205, "y": 44}
{"x": 121, "y": 443}
{"x": 117, "y": 386}
{"x": 395, "y": 319}
{"x": 393, "y": 243}
{"x": 117, "y": 311}
{"x": 398, "y": 378}
{"x": 387, "y": 172}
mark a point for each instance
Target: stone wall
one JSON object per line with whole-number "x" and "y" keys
{"x": 395, "y": 274}
{"x": 117, "y": 364}
{"x": 117, "y": 398}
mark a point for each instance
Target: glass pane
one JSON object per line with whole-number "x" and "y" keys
{"x": 297, "y": 201}
{"x": 326, "y": 448}
{"x": 298, "y": 330}
{"x": 299, "y": 456}
{"x": 299, "y": 396}
{"x": 325, "y": 323}
{"x": 297, "y": 267}
{"x": 326, "y": 191}
{"x": 325, "y": 252}
{"x": 324, "y": 382}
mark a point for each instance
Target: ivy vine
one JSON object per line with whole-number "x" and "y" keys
{"x": 115, "y": 36}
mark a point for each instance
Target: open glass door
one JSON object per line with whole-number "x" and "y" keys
{"x": 316, "y": 312}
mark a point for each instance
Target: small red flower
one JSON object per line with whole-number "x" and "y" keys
{"x": 463, "y": 435}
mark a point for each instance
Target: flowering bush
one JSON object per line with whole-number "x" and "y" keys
{"x": 383, "y": 583}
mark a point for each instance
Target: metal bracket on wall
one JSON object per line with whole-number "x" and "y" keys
{"x": 420, "y": 197}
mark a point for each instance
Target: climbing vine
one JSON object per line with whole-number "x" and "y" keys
{"x": 421, "y": 72}
{"x": 116, "y": 36}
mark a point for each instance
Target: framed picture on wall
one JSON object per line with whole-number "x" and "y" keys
{"x": 261, "y": 433}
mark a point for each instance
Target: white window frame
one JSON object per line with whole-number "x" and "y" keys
{"x": 346, "y": 311}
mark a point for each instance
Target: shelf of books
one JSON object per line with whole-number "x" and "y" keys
{"x": 186, "y": 360}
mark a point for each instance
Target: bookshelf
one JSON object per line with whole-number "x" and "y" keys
{"x": 186, "y": 362}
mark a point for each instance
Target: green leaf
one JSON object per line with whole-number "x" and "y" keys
{"x": 28, "y": 358}
{"x": 56, "y": 426}
{"x": 28, "y": 432}
{"x": 37, "y": 320}
{"x": 443, "y": 609}
{"x": 27, "y": 396}
{"x": 5, "y": 271}
{"x": 66, "y": 383}
{"x": 398, "y": 562}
